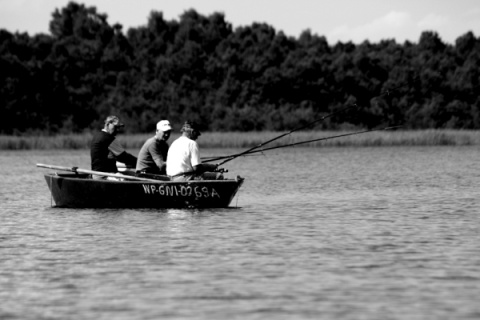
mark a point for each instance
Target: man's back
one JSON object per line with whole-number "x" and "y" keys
{"x": 183, "y": 155}
{"x": 99, "y": 152}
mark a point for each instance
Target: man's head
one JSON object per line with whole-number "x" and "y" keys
{"x": 190, "y": 130}
{"x": 164, "y": 130}
{"x": 113, "y": 125}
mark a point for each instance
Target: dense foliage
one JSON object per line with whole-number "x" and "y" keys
{"x": 248, "y": 78}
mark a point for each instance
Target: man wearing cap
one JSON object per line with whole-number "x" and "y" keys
{"x": 183, "y": 160}
{"x": 152, "y": 158}
{"x": 105, "y": 151}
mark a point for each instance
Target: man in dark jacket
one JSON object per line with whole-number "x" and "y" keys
{"x": 105, "y": 151}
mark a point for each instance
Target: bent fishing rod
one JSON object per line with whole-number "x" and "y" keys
{"x": 316, "y": 140}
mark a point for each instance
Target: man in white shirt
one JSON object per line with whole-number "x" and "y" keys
{"x": 183, "y": 159}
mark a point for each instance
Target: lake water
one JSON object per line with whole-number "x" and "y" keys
{"x": 327, "y": 233}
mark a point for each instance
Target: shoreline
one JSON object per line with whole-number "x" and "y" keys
{"x": 380, "y": 138}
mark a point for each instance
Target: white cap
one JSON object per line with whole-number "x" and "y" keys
{"x": 164, "y": 125}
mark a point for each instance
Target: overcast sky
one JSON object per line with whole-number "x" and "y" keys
{"x": 337, "y": 20}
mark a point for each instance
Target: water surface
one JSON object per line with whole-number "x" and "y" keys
{"x": 327, "y": 233}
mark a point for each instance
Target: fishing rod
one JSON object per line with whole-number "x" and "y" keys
{"x": 232, "y": 157}
{"x": 319, "y": 139}
{"x": 325, "y": 138}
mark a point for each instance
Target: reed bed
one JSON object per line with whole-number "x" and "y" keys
{"x": 250, "y": 139}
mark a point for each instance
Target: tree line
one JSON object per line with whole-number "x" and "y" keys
{"x": 243, "y": 79}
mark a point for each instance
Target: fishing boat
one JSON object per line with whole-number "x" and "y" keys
{"x": 77, "y": 189}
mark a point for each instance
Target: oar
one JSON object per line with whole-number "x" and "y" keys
{"x": 98, "y": 173}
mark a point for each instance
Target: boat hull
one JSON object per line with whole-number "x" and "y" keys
{"x": 79, "y": 191}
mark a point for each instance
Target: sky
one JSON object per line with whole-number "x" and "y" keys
{"x": 337, "y": 20}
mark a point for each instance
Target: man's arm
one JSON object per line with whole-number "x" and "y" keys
{"x": 159, "y": 152}
{"x": 121, "y": 155}
{"x": 199, "y": 167}
{"x": 128, "y": 159}
{"x": 204, "y": 167}
{"x": 161, "y": 164}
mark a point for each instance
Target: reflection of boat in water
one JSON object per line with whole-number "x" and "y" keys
{"x": 78, "y": 190}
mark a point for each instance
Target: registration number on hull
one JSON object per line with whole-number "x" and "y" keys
{"x": 181, "y": 191}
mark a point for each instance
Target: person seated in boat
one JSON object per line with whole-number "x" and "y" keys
{"x": 105, "y": 150}
{"x": 183, "y": 159}
{"x": 152, "y": 158}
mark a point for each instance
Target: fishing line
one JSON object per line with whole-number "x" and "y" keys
{"x": 51, "y": 191}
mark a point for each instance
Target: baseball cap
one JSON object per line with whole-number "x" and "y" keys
{"x": 164, "y": 125}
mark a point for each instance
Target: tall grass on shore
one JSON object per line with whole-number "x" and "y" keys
{"x": 250, "y": 139}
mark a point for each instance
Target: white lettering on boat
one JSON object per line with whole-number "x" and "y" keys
{"x": 215, "y": 194}
{"x": 181, "y": 191}
{"x": 146, "y": 189}
{"x": 169, "y": 190}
